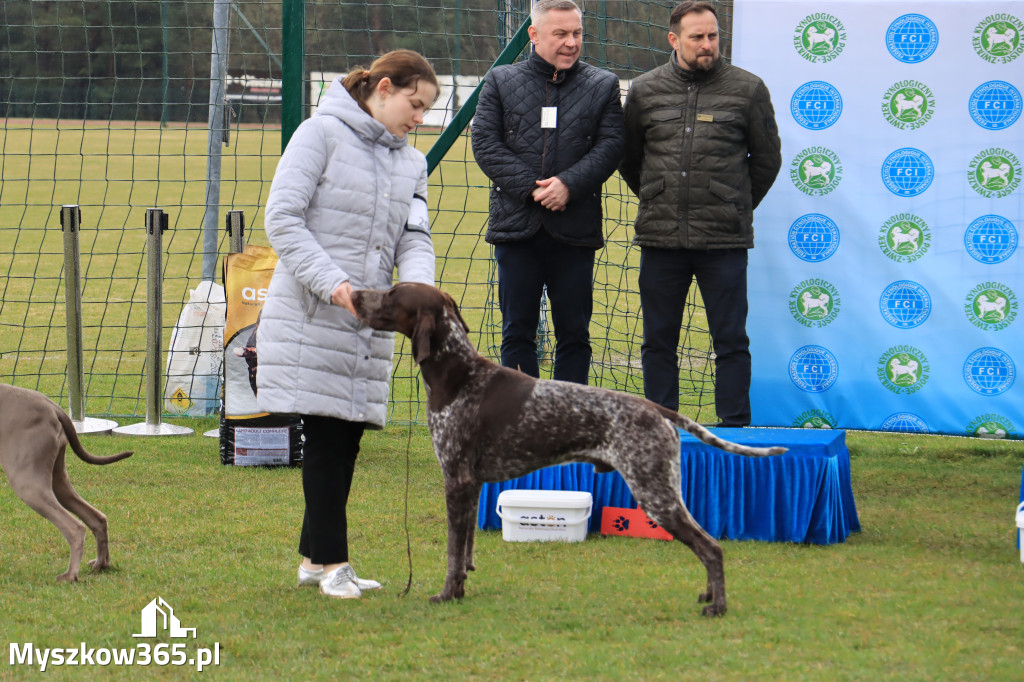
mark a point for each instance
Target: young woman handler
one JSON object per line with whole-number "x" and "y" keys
{"x": 347, "y": 208}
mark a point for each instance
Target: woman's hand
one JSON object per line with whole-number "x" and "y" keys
{"x": 342, "y": 297}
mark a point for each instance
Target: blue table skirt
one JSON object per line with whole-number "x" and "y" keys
{"x": 802, "y": 496}
{"x": 1015, "y": 518}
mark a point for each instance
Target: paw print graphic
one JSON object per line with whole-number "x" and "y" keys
{"x": 652, "y": 524}
{"x": 621, "y": 523}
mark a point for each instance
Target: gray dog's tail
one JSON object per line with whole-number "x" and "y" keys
{"x": 76, "y": 445}
{"x": 695, "y": 429}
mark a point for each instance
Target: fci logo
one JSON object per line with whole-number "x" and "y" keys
{"x": 995, "y": 105}
{"x": 912, "y": 38}
{"x": 990, "y": 239}
{"x": 816, "y": 105}
{"x": 813, "y": 368}
{"x": 989, "y": 371}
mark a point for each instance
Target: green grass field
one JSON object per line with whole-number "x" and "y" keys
{"x": 116, "y": 173}
{"x": 930, "y": 589}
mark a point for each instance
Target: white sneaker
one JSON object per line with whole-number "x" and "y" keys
{"x": 310, "y": 578}
{"x": 341, "y": 583}
{"x": 365, "y": 585}
{"x": 307, "y": 577}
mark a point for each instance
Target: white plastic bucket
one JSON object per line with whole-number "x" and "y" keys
{"x": 543, "y": 515}
{"x": 1020, "y": 529}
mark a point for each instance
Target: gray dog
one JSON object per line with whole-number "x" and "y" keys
{"x": 34, "y": 433}
{"x": 491, "y": 423}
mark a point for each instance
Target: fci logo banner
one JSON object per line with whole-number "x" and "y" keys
{"x": 892, "y": 247}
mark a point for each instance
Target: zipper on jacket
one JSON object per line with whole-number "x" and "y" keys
{"x": 544, "y": 142}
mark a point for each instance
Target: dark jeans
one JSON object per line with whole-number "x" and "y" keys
{"x": 524, "y": 268}
{"x": 665, "y": 276}
{"x": 328, "y": 460}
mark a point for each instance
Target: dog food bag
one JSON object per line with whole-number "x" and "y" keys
{"x": 249, "y": 437}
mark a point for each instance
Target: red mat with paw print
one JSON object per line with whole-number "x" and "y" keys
{"x": 633, "y": 523}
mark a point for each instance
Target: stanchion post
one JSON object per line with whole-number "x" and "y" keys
{"x": 70, "y": 224}
{"x": 156, "y": 224}
{"x": 236, "y": 231}
{"x": 234, "y": 223}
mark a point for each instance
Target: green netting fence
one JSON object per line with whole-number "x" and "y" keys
{"x": 106, "y": 104}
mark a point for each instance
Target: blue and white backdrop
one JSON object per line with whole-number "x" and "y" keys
{"x": 886, "y": 279}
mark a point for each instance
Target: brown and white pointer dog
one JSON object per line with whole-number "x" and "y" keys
{"x": 490, "y": 423}
{"x": 34, "y": 433}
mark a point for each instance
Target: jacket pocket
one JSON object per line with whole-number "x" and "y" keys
{"x": 662, "y": 115}
{"x": 731, "y": 201}
{"x": 580, "y": 146}
{"x": 664, "y": 130}
{"x": 652, "y": 189}
{"x": 310, "y": 300}
{"x": 724, "y": 192}
{"x": 648, "y": 191}
{"x": 721, "y": 125}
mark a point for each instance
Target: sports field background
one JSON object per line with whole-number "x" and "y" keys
{"x": 124, "y": 159}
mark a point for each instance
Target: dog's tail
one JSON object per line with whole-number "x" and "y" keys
{"x": 695, "y": 429}
{"x": 76, "y": 445}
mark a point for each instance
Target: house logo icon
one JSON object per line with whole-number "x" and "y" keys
{"x": 159, "y": 612}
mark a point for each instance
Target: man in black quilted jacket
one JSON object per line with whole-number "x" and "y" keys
{"x": 702, "y": 150}
{"x": 548, "y": 132}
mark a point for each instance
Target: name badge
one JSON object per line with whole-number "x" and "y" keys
{"x": 707, "y": 118}
{"x": 549, "y": 117}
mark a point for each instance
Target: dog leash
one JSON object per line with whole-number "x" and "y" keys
{"x": 408, "y": 450}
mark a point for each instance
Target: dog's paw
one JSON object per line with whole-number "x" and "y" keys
{"x": 621, "y": 523}
{"x": 67, "y": 578}
{"x": 444, "y": 597}
{"x": 713, "y": 610}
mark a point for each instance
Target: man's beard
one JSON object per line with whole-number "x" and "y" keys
{"x": 704, "y": 62}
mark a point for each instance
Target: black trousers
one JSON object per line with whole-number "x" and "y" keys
{"x": 328, "y": 461}
{"x": 524, "y": 268}
{"x": 665, "y": 276}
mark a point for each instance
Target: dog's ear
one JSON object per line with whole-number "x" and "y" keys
{"x": 454, "y": 307}
{"x": 421, "y": 336}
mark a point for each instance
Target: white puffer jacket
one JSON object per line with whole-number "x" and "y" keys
{"x": 339, "y": 209}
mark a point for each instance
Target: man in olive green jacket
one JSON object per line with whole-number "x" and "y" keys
{"x": 702, "y": 150}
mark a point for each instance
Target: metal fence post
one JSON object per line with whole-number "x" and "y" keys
{"x": 156, "y": 223}
{"x": 293, "y": 71}
{"x": 217, "y": 136}
{"x": 70, "y": 224}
